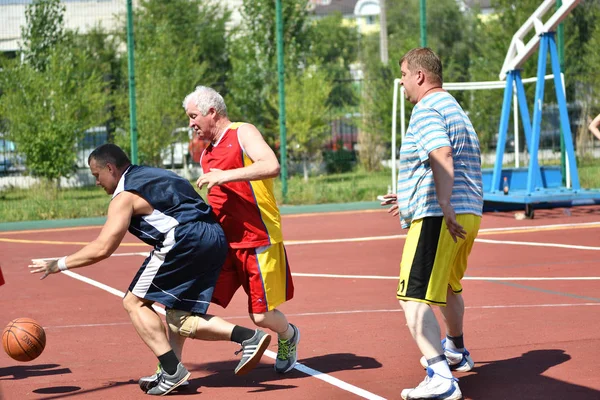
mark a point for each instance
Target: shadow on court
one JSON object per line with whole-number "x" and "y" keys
{"x": 521, "y": 378}
{"x": 264, "y": 379}
{"x": 64, "y": 392}
{"x": 28, "y": 370}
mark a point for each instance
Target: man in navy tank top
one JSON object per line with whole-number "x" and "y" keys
{"x": 189, "y": 248}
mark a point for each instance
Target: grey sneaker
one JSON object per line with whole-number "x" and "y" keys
{"x": 252, "y": 350}
{"x": 148, "y": 382}
{"x": 287, "y": 353}
{"x": 166, "y": 383}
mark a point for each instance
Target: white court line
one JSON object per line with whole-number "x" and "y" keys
{"x": 524, "y": 228}
{"x": 376, "y": 277}
{"x": 402, "y": 236}
{"x": 300, "y": 367}
{"x": 317, "y": 314}
{"x": 345, "y": 240}
{"x": 564, "y": 246}
{"x": 468, "y": 278}
{"x": 346, "y": 312}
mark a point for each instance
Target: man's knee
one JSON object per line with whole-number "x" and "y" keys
{"x": 263, "y": 319}
{"x": 131, "y": 302}
{"x": 183, "y": 323}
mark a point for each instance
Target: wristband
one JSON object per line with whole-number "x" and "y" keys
{"x": 62, "y": 264}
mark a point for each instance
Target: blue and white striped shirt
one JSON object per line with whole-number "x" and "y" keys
{"x": 438, "y": 121}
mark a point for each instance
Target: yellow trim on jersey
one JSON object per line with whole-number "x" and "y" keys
{"x": 265, "y": 200}
{"x": 235, "y": 125}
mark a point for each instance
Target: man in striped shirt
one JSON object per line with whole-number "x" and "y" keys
{"x": 440, "y": 201}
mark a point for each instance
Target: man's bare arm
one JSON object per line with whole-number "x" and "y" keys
{"x": 593, "y": 127}
{"x": 265, "y": 164}
{"x": 120, "y": 211}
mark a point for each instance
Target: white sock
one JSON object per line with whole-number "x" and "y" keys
{"x": 288, "y": 334}
{"x": 441, "y": 368}
{"x": 451, "y": 346}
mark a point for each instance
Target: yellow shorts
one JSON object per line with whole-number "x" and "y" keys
{"x": 432, "y": 262}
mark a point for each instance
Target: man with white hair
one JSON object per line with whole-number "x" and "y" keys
{"x": 238, "y": 170}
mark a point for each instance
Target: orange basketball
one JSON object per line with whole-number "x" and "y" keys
{"x": 23, "y": 339}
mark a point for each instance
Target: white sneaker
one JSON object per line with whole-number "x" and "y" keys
{"x": 434, "y": 386}
{"x": 457, "y": 361}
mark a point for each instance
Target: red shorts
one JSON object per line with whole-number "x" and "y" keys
{"x": 1, "y": 278}
{"x": 263, "y": 272}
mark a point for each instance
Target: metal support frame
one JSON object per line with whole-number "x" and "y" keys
{"x": 532, "y": 131}
{"x": 540, "y": 184}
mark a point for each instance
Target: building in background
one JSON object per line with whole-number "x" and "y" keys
{"x": 364, "y": 14}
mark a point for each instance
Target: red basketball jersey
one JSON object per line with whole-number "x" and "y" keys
{"x": 247, "y": 211}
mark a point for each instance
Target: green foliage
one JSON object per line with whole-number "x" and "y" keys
{"x": 333, "y": 48}
{"x": 175, "y": 51}
{"x": 48, "y": 110}
{"x": 253, "y": 79}
{"x": 43, "y": 31}
{"x": 101, "y": 48}
{"x": 340, "y": 160}
{"x": 307, "y": 114}
{"x": 49, "y": 101}
{"x": 587, "y": 51}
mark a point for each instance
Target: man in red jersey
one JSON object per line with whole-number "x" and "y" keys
{"x": 239, "y": 167}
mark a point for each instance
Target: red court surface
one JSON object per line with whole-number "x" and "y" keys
{"x": 532, "y": 322}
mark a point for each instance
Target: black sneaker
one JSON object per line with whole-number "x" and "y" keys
{"x": 252, "y": 350}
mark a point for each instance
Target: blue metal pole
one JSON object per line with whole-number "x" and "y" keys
{"x": 564, "y": 115}
{"x": 501, "y": 143}
{"x": 525, "y": 116}
{"x": 523, "y": 110}
{"x": 534, "y": 168}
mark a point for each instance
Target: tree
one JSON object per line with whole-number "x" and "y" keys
{"x": 102, "y": 50}
{"x": 175, "y": 51}
{"x": 307, "y": 115}
{"x": 48, "y": 111}
{"x": 333, "y": 48}
{"x": 50, "y": 100}
{"x": 253, "y": 79}
{"x": 43, "y": 30}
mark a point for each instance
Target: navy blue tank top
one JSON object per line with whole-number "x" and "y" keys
{"x": 176, "y": 204}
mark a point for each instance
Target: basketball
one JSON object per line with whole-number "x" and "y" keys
{"x": 23, "y": 339}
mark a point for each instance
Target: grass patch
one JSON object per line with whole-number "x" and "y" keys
{"x": 41, "y": 203}
{"x": 44, "y": 203}
{"x": 335, "y": 188}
